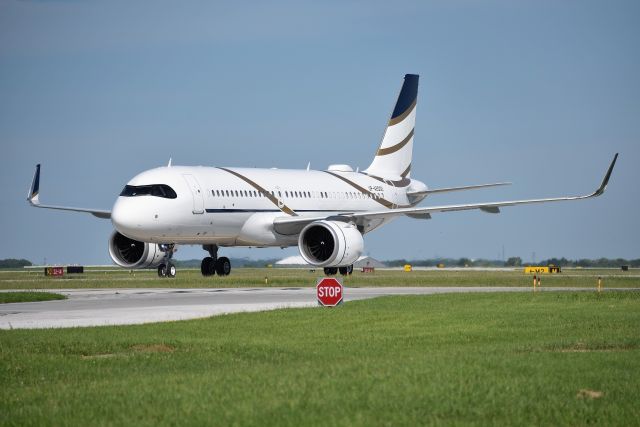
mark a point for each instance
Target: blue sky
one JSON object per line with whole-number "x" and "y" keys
{"x": 540, "y": 93}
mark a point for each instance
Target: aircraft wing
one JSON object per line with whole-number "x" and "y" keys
{"x": 450, "y": 189}
{"x": 34, "y": 194}
{"x": 289, "y": 225}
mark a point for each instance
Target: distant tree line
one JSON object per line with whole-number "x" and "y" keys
{"x": 14, "y": 263}
{"x": 600, "y": 262}
{"x": 449, "y": 262}
{"x": 516, "y": 262}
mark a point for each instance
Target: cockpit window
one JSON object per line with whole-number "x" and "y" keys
{"x": 156, "y": 190}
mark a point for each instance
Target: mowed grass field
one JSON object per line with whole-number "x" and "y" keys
{"x": 9, "y": 297}
{"x": 284, "y": 277}
{"x": 566, "y": 358}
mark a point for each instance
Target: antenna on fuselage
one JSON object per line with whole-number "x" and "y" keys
{"x": 169, "y": 165}
{"x": 308, "y": 166}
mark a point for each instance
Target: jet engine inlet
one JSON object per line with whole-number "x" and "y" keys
{"x": 129, "y": 253}
{"x": 330, "y": 243}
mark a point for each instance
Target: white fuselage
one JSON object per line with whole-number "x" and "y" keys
{"x": 237, "y": 206}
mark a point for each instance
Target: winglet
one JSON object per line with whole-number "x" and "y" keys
{"x": 34, "y": 193}
{"x": 605, "y": 181}
{"x": 34, "y": 199}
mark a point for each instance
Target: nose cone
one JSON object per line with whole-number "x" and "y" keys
{"x": 126, "y": 217}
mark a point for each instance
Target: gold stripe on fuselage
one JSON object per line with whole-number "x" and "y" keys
{"x": 384, "y": 202}
{"x": 279, "y": 204}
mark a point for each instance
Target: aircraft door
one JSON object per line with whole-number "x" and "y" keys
{"x": 196, "y": 193}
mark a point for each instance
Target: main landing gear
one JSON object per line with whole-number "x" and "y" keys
{"x": 212, "y": 264}
{"x": 167, "y": 268}
{"x": 345, "y": 271}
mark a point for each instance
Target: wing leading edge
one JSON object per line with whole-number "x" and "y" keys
{"x": 34, "y": 199}
{"x": 451, "y": 189}
{"x": 290, "y": 225}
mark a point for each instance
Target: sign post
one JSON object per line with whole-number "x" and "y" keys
{"x": 329, "y": 291}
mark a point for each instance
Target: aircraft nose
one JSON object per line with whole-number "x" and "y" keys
{"x": 123, "y": 217}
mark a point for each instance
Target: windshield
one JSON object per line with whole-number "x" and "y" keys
{"x": 156, "y": 190}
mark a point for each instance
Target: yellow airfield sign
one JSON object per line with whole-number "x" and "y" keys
{"x": 541, "y": 269}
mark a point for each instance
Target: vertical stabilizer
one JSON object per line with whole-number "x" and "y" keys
{"x": 393, "y": 158}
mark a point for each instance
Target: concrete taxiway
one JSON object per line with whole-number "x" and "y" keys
{"x": 98, "y": 307}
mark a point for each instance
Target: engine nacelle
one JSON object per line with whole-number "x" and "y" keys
{"x": 330, "y": 243}
{"x": 129, "y": 253}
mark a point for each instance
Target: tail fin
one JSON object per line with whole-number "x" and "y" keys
{"x": 393, "y": 158}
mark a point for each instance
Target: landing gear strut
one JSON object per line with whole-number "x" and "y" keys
{"x": 167, "y": 268}
{"x": 212, "y": 264}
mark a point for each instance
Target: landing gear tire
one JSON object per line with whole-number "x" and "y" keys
{"x": 348, "y": 270}
{"x": 208, "y": 266}
{"x": 330, "y": 271}
{"x": 171, "y": 270}
{"x": 223, "y": 266}
{"x": 162, "y": 270}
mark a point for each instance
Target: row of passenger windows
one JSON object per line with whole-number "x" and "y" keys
{"x": 297, "y": 194}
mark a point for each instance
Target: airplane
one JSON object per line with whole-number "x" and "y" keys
{"x": 325, "y": 213}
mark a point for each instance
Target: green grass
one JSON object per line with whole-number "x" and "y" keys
{"x": 279, "y": 277}
{"x": 8, "y": 297}
{"x": 465, "y": 359}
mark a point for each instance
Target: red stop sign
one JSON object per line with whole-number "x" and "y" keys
{"x": 329, "y": 291}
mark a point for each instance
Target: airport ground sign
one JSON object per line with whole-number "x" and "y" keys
{"x": 329, "y": 291}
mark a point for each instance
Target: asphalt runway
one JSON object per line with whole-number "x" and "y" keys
{"x": 98, "y": 307}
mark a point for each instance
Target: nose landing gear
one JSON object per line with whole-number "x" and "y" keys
{"x": 212, "y": 264}
{"x": 167, "y": 268}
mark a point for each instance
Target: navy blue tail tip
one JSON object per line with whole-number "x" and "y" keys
{"x": 35, "y": 186}
{"x": 408, "y": 94}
